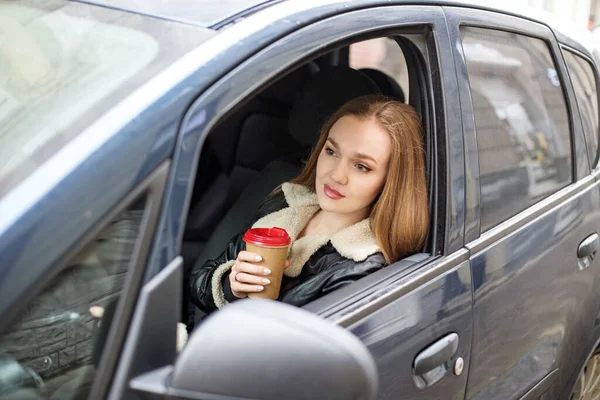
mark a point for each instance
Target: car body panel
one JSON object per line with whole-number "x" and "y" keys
{"x": 534, "y": 307}
{"x": 395, "y": 335}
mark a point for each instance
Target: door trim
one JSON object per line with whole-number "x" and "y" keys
{"x": 291, "y": 50}
{"x": 528, "y": 215}
{"x": 389, "y": 293}
{"x": 154, "y": 186}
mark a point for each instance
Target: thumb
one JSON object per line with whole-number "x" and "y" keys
{"x": 287, "y": 263}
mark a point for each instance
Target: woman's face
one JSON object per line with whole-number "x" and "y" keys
{"x": 352, "y": 166}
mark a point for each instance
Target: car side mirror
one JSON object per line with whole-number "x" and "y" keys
{"x": 266, "y": 350}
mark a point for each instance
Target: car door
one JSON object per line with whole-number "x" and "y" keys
{"x": 414, "y": 317}
{"x": 531, "y": 204}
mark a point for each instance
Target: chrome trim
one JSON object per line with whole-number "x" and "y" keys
{"x": 388, "y": 294}
{"x": 528, "y": 215}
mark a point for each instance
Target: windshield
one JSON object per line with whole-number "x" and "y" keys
{"x": 60, "y": 61}
{"x": 204, "y": 13}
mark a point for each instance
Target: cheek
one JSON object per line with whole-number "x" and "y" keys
{"x": 371, "y": 187}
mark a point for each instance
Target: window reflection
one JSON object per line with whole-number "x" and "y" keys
{"x": 53, "y": 348}
{"x": 523, "y": 134}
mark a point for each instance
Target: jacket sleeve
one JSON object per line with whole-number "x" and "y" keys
{"x": 350, "y": 272}
{"x": 333, "y": 276}
{"x": 208, "y": 282}
{"x": 207, "y": 279}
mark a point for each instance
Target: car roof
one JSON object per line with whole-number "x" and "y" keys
{"x": 215, "y": 14}
{"x": 204, "y": 13}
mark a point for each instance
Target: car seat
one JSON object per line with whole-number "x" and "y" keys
{"x": 239, "y": 147}
{"x": 322, "y": 95}
{"x": 388, "y": 85}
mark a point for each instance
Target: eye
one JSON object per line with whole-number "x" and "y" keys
{"x": 329, "y": 151}
{"x": 363, "y": 168}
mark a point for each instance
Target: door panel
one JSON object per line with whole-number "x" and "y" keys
{"x": 533, "y": 305}
{"x": 398, "y": 332}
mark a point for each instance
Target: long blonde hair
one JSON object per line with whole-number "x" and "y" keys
{"x": 399, "y": 216}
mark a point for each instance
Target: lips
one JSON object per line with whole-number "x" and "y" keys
{"x": 332, "y": 193}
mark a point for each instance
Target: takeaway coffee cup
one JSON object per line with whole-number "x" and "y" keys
{"x": 272, "y": 245}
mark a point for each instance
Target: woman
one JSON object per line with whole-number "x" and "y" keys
{"x": 359, "y": 203}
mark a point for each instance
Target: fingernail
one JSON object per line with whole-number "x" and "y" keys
{"x": 258, "y": 258}
{"x": 260, "y": 288}
{"x": 267, "y": 271}
{"x": 266, "y": 281}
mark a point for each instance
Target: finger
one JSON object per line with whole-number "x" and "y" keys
{"x": 248, "y": 256}
{"x": 246, "y": 288}
{"x": 253, "y": 269}
{"x": 287, "y": 263}
{"x": 97, "y": 311}
{"x": 251, "y": 279}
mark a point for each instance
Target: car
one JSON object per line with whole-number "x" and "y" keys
{"x": 138, "y": 137}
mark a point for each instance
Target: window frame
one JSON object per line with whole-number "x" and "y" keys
{"x": 592, "y": 158}
{"x": 153, "y": 188}
{"x": 458, "y": 17}
{"x": 354, "y": 25}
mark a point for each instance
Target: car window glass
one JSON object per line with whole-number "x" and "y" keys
{"x": 523, "y": 135}
{"x": 50, "y": 76}
{"x": 52, "y": 349}
{"x": 584, "y": 83}
{"x": 381, "y": 54}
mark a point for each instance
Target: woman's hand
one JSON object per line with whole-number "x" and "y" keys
{"x": 248, "y": 277}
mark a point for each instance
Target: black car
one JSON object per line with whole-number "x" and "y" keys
{"x": 136, "y": 138}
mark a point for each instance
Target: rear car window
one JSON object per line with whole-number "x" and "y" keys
{"x": 62, "y": 64}
{"x": 584, "y": 84}
{"x": 521, "y": 121}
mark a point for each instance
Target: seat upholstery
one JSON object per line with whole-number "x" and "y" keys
{"x": 388, "y": 85}
{"x": 239, "y": 147}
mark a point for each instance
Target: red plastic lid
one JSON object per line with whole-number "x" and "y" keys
{"x": 272, "y": 237}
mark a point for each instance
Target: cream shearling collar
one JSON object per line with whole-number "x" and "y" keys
{"x": 356, "y": 242}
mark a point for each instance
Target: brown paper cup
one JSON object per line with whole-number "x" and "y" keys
{"x": 274, "y": 259}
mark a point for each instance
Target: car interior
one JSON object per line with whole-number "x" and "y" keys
{"x": 264, "y": 141}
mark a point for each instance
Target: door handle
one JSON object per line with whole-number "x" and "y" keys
{"x": 587, "y": 249}
{"x": 435, "y": 361}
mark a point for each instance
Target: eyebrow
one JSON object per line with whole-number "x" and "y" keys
{"x": 358, "y": 155}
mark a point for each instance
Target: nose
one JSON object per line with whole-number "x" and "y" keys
{"x": 339, "y": 174}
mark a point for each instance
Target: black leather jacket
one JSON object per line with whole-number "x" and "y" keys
{"x": 325, "y": 271}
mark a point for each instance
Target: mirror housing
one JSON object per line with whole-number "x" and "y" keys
{"x": 267, "y": 350}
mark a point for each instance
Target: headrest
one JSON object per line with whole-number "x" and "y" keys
{"x": 322, "y": 95}
{"x": 388, "y": 85}
{"x": 284, "y": 90}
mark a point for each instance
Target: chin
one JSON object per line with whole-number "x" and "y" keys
{"x": 326, "y": 204}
